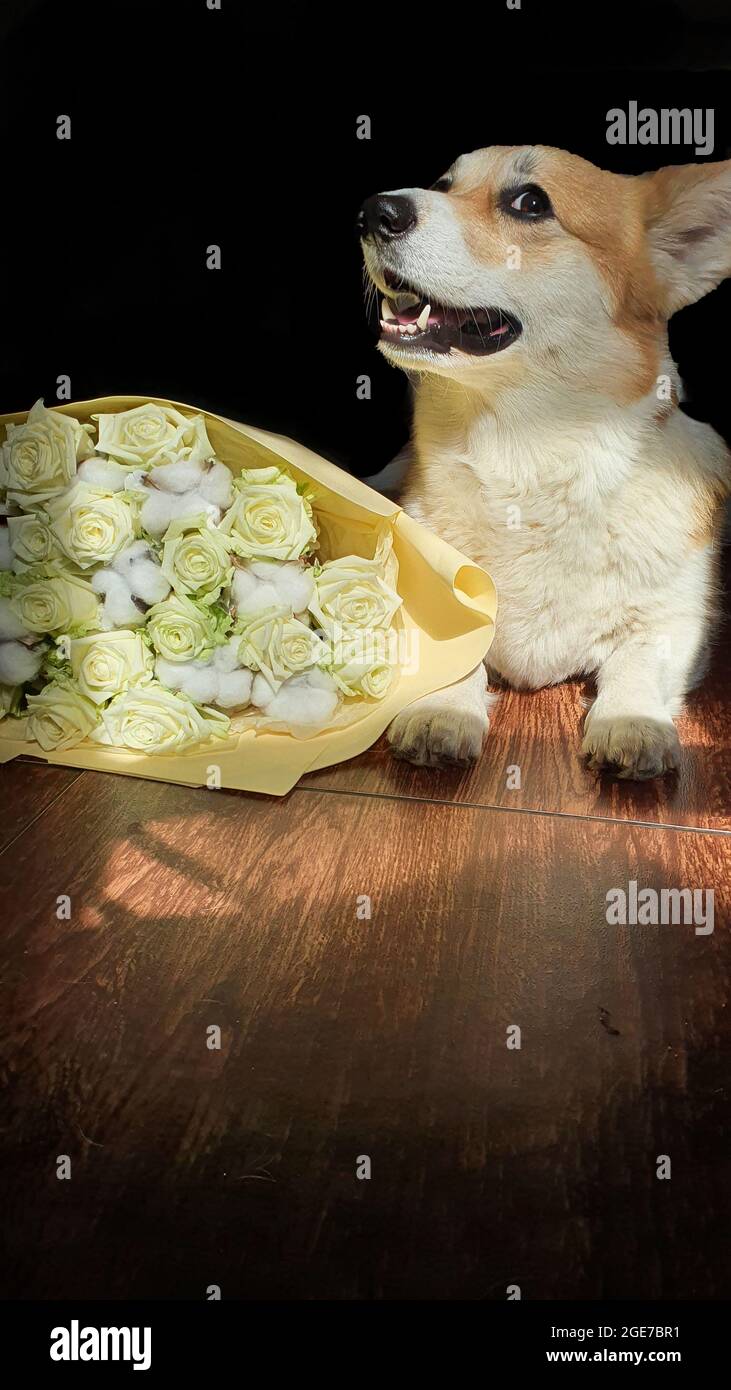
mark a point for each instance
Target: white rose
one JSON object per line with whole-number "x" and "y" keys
{"x": 32, "y": 541}
{"x": 196, "y": 559}
{"x": 361, "y": 666}
{"x": 150, "y": 719}
{"x": 351, "y": 593}
{"x": 92, "y": 526}
{"x": 153, "y": 434}
{"x": 181, "y": 630}
{"x": 279, "y": 646}
{"x": 40, "y": 456}
{"x": 104, "y": 665}
{"x": 269, "y": 519}
{"x": 60, "y": 717}
{"x": 55, "y": 604}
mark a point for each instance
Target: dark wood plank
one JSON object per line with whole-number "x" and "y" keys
{"x": 540, "y": 733}
{"x": 344, "y": 1037}
{"x": 26, "y": 791}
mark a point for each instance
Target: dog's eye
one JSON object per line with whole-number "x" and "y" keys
{"x": 529, "y": 203}
{"x": 443, "y": 184}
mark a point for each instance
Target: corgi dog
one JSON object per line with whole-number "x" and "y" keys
{"x": 527, "y": 295}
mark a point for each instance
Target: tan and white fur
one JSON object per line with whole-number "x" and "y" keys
{"x": 563, "y": 464}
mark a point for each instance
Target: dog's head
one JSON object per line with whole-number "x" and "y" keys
{"x": 533, "y": 259}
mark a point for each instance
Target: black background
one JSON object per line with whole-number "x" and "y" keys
{"x": 238, "y": 127}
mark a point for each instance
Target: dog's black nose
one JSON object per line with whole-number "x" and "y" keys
{"x": 386, "y": 216}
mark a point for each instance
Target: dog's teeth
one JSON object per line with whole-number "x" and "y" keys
{"x": 387, "y": 311}
{"x": 411, "y": 328}
{"x": 423, "y": 318}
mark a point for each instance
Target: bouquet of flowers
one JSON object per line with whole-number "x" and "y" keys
{"x": 151, "y": 600}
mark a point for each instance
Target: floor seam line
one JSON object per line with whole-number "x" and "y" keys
{"x": 42, "y": 813}
{"x": 521, "y": 810}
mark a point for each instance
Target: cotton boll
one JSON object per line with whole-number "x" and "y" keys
{"x": 252, "y": 596}
{"x": 18, "y": 663}
{"x": 304, "y": 702}
{"x": 299, "y": 587}
{"x": 262, "y": 693}
{"x": 206, "y": 682}
{"x": 10, "y": 627}
{"x": 318, "y": 680}
{"x": 104, "y": 473}
{"x": 156, "y": 513}
{"x": 184, "y": 489}
{"x": 6, "y": 554}
{"x": 177, "y": 477}
{"x": 171, "y": 673}
{"x": 200, "y": 682}
{"x": 263, "y": 584}
{"x": 148, "y": 582}
{"x": 160, "y": 508}
{"x": 133, "y": 574}
{"x": 107, "y": 582}
{"x": 193, "y": 503}
{"x": 198, "y": 679}
{"x": 226, "y": 657}
{"x": 217, "y": 485}
{"x": 124, "y": 561}
{"x": 293, "y": 582}
{"x": 119, "y": 608}
{"x": 141, "y": 573}
{"x": 234, "y": 688}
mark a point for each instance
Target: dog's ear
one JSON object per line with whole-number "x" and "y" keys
{"x": 688, "y": 224}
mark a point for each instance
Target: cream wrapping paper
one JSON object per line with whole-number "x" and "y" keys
{"x": 448, "y": 618}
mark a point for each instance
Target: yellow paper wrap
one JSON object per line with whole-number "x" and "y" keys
{"x": 448, "y": 617}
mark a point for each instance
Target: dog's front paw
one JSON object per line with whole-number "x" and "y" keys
{"x": 631, "y": 748}
{"x": 434, "y": 735}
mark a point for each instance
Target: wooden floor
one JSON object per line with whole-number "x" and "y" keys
{"x": 344, "y": 1037}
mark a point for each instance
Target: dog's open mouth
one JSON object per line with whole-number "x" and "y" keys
{"x": 410, "y": 320}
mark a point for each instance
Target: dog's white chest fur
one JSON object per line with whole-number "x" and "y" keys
{"x": 564, "y": 525}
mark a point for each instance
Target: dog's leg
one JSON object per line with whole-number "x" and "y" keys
{"x": 629, "y": 728}
{"x": 447, "y": 727}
